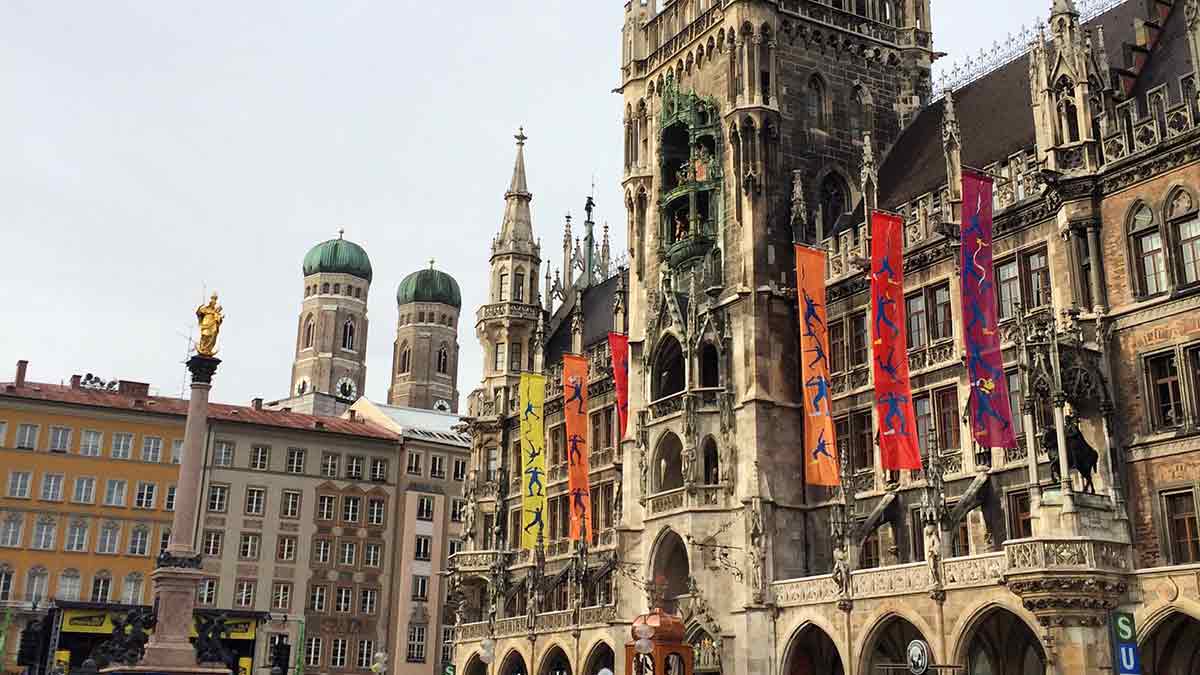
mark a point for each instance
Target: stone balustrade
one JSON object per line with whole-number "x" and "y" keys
{"x": 1072, "y": 554}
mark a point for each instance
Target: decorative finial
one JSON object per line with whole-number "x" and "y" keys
{"x": 431, "y": 261}
{"x": 521, "y": 137}
{"x": 341, "y": 231}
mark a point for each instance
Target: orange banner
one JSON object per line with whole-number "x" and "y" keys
{"x": 575, "y": 394}
{"x": 820, "y": 445}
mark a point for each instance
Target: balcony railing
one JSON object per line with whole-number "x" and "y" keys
{"x": 667, "y": 405}
{"x": 663, "y": 502}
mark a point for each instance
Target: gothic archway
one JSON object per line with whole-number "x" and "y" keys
{"x": 712, "y": 462}
{"x": 1172, "y": 647}
{"x": 670, "y": 569}
{"x": 513, "y": 664}
{"x": 888, "y": 643}
{"x": 812, "y": 652}
{"x": 475, "y": 666}
{"x": 668, "y": 373}
{"x": 1001, "y": 643}
{"x": 555, "y": 662}
{"x": 602, "y": 656}
{"x": 668, "y": 463}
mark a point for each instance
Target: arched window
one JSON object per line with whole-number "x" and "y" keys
{"x": 310, "y": 329}
{"x": 834, "y": 202}
{"x": 1149, "y": 252}
{"x": 348, "y": 334}
{"x": 860, "y": 113}
{"x": 712, "y": 462}
{"x": 710, "y": 371}
{"x": 817, "y": 104}
{"x": 668, "y": 370}
{"x": 37, "y": 585}
{"x": 337, "y": 289}
{"x": 68, "y": 585}
{"x": 502, "y": 288}
{"x": 443, "y": 360}
{"x": 519, "y": 286}
{"x": 405, "y": 359}
{"x": 131, "y": 592}
{"x": 1185, "y": 228}
{"x": 668, "y": 464}
{"x": 325, "y": 287}
{"x": 101, "y": 586}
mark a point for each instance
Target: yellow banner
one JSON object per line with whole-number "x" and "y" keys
{"x": 245, "y": 666}
{"x": 533, "y": 460}
{"x": 100, "y": 621}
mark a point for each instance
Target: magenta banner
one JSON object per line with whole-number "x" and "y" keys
{"x": 990, "y": 413}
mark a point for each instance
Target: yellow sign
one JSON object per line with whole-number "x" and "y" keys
{"x": 533, "y": 460}
{"x": 99, "y": 621}
{"x": 62, "y": 658}
{"x": 245, "y": 666}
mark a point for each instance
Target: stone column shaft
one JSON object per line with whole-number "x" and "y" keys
{"x": 191, "y": 470}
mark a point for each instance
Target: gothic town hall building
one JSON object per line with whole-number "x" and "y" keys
{"x": 753, "y": 124}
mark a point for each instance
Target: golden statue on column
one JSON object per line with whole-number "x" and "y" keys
{"x": 210, "y": 317}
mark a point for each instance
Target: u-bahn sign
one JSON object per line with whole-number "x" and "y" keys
{"x": 1126, "y": 659}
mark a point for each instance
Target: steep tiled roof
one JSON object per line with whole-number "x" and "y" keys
{"x": 994, "y": 112}
{"x": 163, "y": 405}
{"x": 597, "y": 319}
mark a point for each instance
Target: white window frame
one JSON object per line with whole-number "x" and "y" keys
{"x": 108, "y": 540}
{"x": 85, "y": 490}
{"x": 19, "y": 484}
{"x": 343, "y": 600}
{"x": 281, "y": 595}
{"x": 423, "y": 549}
{"x": 27, "y": 436}
{"x": 223, "y": 453}
{"x": 256, "y": 501}
{"x": 76, "y": 540}
{"x": 152, "y": 449}
{"x": 326, "y": 507}
{"x": 91, "y": 443}
{"x": 146, "y": 496}
{"x": 249, "y": 546}
{"x": 52, "y": 487}
{"x": 139, "y": 541}
{"x": 212, "y": 543}
{"x": 425, "y": 508}
{"x": 348, "y": 553}
{"x": 260, "y": 458}
{"x": 116, "y": 491}
{"x": 296, "y": 459}
{"x": 292, "y": 501}
{"x": 122, "y": 445}
{"x": 244, "y": 591}
{"x": 376, "y": 510}
{"x": 372, "y": 554}
{"x": 60, "y": 439}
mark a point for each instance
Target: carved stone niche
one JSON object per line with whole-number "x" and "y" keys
{"x": 1064, "y": 600}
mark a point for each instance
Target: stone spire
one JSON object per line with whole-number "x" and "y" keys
{"x": 1063, "y": 7}
{"x": 518, "y": 224}
{"x": 605, "y": 253}
{"x": 952, "y": 149}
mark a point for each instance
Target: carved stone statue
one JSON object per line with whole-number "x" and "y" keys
{"x": 530, "y": 599}
{"x": 469, "y": 515}
{"x": 799, "y": 203}
{"x": 841, "y": 571}
{"x": 210, "y": 317}
{"x": 209, "y": 648}
{"x": 662, "y": 472}
{"x": 687, "y": 459}
{"x": 618, "y": 499}
{"x": 933, "y": 552}
{"x": 681, "y": 226}
{"x": 643, "y": 470}
{"x": 1081, "y": 456}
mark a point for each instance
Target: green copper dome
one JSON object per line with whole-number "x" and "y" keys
{"x": 338, "y": 256}
{"x": 429, "y": 285}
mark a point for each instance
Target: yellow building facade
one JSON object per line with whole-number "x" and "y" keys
{"x": 88, "y": 489}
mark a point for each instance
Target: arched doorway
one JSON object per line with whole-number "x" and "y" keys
{"x": 513, "y": 664}
{"x": 602, "y": 656}
{"x": 668, "y": 373}
{"x": 888, "y": 644}
{"x": 812, "y": 652}
{"x": 475, "y": 666}
{"x": 671, "y": 569}
{"x": 555, "y": 662}
{"x": 668, "y": 463}
{"x": 1173, "y": 646}
{"x": 1002, "y": 644}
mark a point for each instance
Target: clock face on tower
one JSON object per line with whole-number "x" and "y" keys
{"x": 346, "y": 388}
{"x": 441, "y": 405}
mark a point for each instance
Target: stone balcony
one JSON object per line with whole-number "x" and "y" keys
{"x": 545, "y": 622}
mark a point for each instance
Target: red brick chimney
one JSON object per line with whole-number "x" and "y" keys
{"x": 22, "y": 366}
{"x": 75, "y": 379}
{"x": 256, "y": 403}
{"x": 130, "y": 388}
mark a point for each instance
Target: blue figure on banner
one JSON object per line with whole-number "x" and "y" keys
{"x": 893, "y": 401}
{"x": 820, "y": 354}
{"x": 822, "y": 384}
{"x": 810, "y": 315}
{"x": 977, "y": 317}
{"x": 889, "y": 366}
{"x": 977, "y": 365}
{"x": 535, "y": 478}
{"x": 822, "y": 447}
{"x": 537, "y": 521}
{"x": 976, "y": 227}
{"x": 977, "y": 270}
{"x": 580, "y": 508}
{"x": 530, "y": 409}
{"x": 534, "y": 452}
{"x": 576, "y": 393}
{"x": 885, "y": 265}
{"x": 983, "y": 391}
{"x": 882, "y": 317}
{"x": 576, "y": 453}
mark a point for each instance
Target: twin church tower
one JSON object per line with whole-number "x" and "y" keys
{"x": 329, "y": 371}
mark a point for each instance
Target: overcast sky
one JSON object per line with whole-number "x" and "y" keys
{"x": 150, "y": 150}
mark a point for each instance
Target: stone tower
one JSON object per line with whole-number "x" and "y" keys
{"x": 508, "y": 321}
{"x": 331, "y": 333}
{"x": 425, "y": 354}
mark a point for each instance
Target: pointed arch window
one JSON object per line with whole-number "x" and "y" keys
{"x": 834, "y": 201}
{"x": 502, "y": 288}
{"x": 519, "y": 286}
{"x": 817, "y": 104}
{"x": 348, "y": 335}
{"x": 310, "y": 329}
{"x": 1149, "y": 252}
{"x": 1185, "y": 228}
{"x": 405, "y": 359}
{"x": 443, "y": 360}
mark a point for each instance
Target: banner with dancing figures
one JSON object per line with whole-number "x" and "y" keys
{"x": 898, "y": 442}
{"x": 820, "y": 444}
{"x": 533, "y": 460}
{"x": 990, "y": 412}
{"x": 575, "y": 396}
{"x": 618, "y": 344}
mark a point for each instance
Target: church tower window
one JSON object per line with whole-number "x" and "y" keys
{"x": 519, "y": 286}
{"x": 502, "y": 288}
{"x": 443, "y": 360}
{"x": 309, "y": 330}
{"x": 816, "y": 103}
{"x": 405, "y": 359}
{"x": 348, "y": 335}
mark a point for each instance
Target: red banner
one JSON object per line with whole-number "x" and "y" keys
{"x": 898, "y": 442}
{"x": 575, "y": 395}
{"x": 991, "y": 415}
{"x": 618, "y": 344}
{"x": 820, "y": 445}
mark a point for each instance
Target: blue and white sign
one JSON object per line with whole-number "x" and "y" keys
{"x": 1126, "y": 658}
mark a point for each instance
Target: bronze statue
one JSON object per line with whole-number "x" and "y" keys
{"x": 210, "y": 317}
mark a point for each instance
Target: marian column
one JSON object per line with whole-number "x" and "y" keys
{"x": 177, "y": 573}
